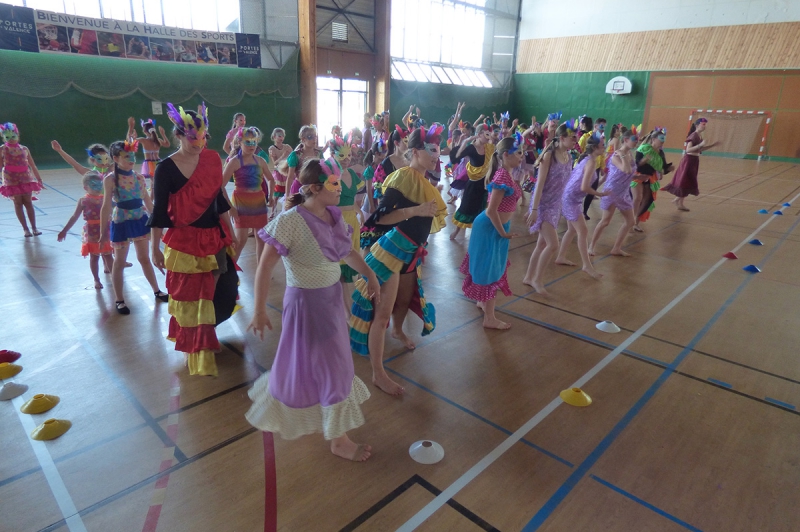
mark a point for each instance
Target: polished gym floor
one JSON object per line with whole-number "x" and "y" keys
{"x": 694, "y": 423}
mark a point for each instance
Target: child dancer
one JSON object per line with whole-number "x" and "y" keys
{"x": 126, "y": 190}
{"x": 555, "y": 166}
{"x": 89, "y": 205}
{"x": 21, "y": 178}
{"x": 151, "y": 142}
{"x": 248, "y": 201}
{"x": 651, "y": 165}
{"x": 307, "y": 149}
{"x": 98, "y": 159}
{"x": 684, "y": 182}
{"x": 239, "y": 121}
{"x": 578, "y": 186}
{"x": 473, "y": 200}
{"x": 618, "y": 187}
{"x": 486, "y": 264}
{"x": 312, "y": 386}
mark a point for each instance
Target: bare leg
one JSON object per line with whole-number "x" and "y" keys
{"x": 405, "y": 292}
{"x": 600, "y": 227}
{"x": 143, "y": 256}
{"x": 344, "y": 447}
{"x": 240, "y": 234}
{"x": 377, "y": 337}
{"x": 638, "y": 201}
{"x": 108, "y": 262}
{"x": 455, "y": 232}
{"x": 566, "y": 240}
{"x": 623, "y": 232}
{"x": 28, "y": 202}
{"x": 551, "y": 246}
{"x": 534, "y": 260}
{"x": 347, "y": 298}
{"x": 18, "y": 203}
{"x": 490, "y": 321}
{"x": 583, "y": 233}
{"x": 120, "y": 254}
{"x": 94, "y": 265}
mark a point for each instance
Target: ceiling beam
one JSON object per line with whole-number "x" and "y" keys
{"x": 341, "y": 11}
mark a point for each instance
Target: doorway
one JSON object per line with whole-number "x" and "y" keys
{"x": 340, "y": 102}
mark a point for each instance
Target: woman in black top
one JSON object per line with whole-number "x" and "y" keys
{"x": 473, "y": 201}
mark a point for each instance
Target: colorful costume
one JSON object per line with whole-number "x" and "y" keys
{"x": 647, "y": 175}
{"x": 573, "y": 196}
{"x": 370, "y": 234}
{"x": 473, "y": 201}
{"x": 248, "y": 195}
{"x": 91, "y": 245}
{"x": 487, "y": 269}
{"x": 296, "y": 160}
{"x": 399, "y": 251}
{"x": 129, "y": 218}
{"x": 618, "y": 186}
{"x": 17, "y": 176}
{"x": 280, "y": 179}
{"x": 312, "y": 386}
{"x": 150, "y": 162}
{"x": 549, "y": 209}
{"x": 347, "y": 202}
{"x": 684, "y": 183}
{"x": 194, "y": 247}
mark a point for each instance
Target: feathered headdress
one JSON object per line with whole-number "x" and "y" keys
{"x": 150, "y": 121}
{"x": 572, "y": 125}
{"x": 130, "y": 145}
{"x": 381, "y": 144}
{"x": 555, "y": 116}
{"x": 635, "y": 129}
{"x": 377, "y": 120}
{"x": 518, "y": 141}
{"x": 402, "y": 132}
{"x": 192, "y": 127}
{"x": 336, "y": 131}
{"x": 339, "y": 147}
{"x": 330, "y": 167}
{"x": 659, "y": 130}
{"x": 250, "y": 133}
{"x": 505, "y": 116}
{"x": 434, "y": 131}
{"x": 596, "y": 138}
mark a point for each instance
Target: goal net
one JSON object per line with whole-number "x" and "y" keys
{"x": 740, "y": 134}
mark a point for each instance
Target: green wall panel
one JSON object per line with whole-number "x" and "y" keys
{"x": 578, "y": 93}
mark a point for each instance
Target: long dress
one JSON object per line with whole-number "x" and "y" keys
{"x": 17, "y": 176}
{"x": 550, "y": 201}
{"x": 618, "y": 186}
{"x": 684, "y": 183}
{"x": 312, "y": 385}
{"x": 486, "y": 263}
{"x": 473, "y": 200}
{"x": 248, "y": 196}
{"x": 399, "y": 251}
{"x": 348, "y": 201}
{"x": 573, "y": 196}
{"x": 195, "y": 246}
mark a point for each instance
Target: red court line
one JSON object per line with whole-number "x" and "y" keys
{"x": 270, "y": 485}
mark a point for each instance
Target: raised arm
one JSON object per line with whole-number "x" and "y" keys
{"x": 162, "y": 138}
{"x": 68, "y": 158}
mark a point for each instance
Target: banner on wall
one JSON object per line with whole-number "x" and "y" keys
{"x": 34, "y": 30}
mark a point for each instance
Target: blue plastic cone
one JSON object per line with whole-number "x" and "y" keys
{"x": 752, "y": 268}
{"x": 756, "y": 242}
{"x": 787, "y": 204}
{"x": 763, "y": 211}
{"x": 779, "y": 213}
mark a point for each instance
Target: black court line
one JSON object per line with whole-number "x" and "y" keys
{"x": 405, "y": 486}
{"x": 149, "y": 480}
{"x": 205, "y": 400}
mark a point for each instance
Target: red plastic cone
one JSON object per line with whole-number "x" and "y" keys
{"x": 730, "y": 255}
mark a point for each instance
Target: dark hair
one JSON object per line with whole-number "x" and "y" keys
{"x": 309, "y": 175}
{"x": 177, "y": 131}
{"x": 591, "y": 143}
{"x": 586, "y": 121}
{"x": 393, "y": 138}
{"x": 614, "y": 130}
{"x": 502, "y": 147}
{"x": 415, "y": 140}
{"x": 627, "y": 134}
{"x": 601, "y": 121}
{"x": 114, "y": 150}
{"x": 94, "y": 149}
{"x": 695, "y": 124}
{"x": 561, "y": 132}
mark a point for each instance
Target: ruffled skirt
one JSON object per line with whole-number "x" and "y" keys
{"x": 487, "y": 270}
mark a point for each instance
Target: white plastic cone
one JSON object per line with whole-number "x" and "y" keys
{"x": 608, "y": 327}
{"x": 11, "y": 390}
{"x": 426, "y": 452}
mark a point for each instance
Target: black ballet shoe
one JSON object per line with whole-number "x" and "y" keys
{"x": 161, "y": 296}
{"x": 122, "y": 308}
{"x": 587, "y": 217}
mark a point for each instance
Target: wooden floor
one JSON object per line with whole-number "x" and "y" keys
{"x": 694, "y": 423}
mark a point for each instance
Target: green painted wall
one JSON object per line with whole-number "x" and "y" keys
{"x": 77, "y": 119}
{"x": 578, "y": 93}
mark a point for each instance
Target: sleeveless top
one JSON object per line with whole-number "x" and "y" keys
{"x": 127, "y": 197}
{"x": 348, "y": 196}
{"x": 91, "y": 215}
{"x": 247, "y": 177}
{"x": 504, "y": 184}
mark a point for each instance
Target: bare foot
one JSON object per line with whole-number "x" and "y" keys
{"x": 591, "y": 252}
{"x": 637, "y": 229}
{"x": 565, "y": 262}
{"x": 36, "y": 232}
{"x": 481, "y": 305}
{"x": 106, "y": 271}
{"x": 98, "y": 285}
{"x": 540, "y": 289}
{"x": 527, "y": 281}
{"x": 400, "y": 335}
{"x": 27, "y": 234}
{"x": 619, "y": 253}
{"x": 451, "y": 201}
{"x": 496, "y": 324}
{"x": 593, "y": 273}
{"x": 454, "y": 234}
{"x": 682, "y": 208}
{"x": 385, "y": 384}
{"x": 350, "y": 450}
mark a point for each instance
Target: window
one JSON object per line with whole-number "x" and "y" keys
{"x": 340, "y": 102}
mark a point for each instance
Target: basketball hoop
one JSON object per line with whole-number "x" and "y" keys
{"x": 618, "y": 85}
{"x": 615, "y": 92}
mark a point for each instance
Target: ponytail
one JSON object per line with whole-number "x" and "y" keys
{"x": 494, "y": 165}
{"x": 294, "y": 200}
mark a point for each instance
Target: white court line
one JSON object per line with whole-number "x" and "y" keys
{"x": 53, "y": 361}
{"x": 460, "y": 483}
{"x": 51, "y": 474}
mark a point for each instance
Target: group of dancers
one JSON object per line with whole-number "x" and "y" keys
{"x": 351, "y": 228}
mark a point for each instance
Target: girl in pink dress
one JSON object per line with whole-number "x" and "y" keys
{"x": 578, "y": 186}
{"x": 21, "y": 178}
{"x": 618, "y": 188}
{"x": 555, "y": 167}
{"x": 89, "y": 206}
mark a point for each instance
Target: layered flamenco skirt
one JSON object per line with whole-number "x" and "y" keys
{"x": 393, "y": 253}
{"x": 487, "y": 269}
{"x": 473, "y": 202}
{"x": 190, "y": 258}
{"x": 318, "y": 390}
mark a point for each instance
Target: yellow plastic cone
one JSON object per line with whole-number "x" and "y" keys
{"x": 51, "y": 429}
{"x": 8, "y": 370}
{"x": 39, "y": 403}
{"x": 575, "y": 397}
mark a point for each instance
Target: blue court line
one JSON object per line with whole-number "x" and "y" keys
{"x": 646, "y": 504}
{"x": 54, "y": 189}
{"x": 780, "y": 403}
{"x": 481, "y": 418}
{"x": 720, "y": 383}
{"x": 561, "y": 493}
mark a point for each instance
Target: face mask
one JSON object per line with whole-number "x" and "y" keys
{"x": 333, "y": 186}
{"x": 251, "y": 143}
{"x": 128, "y": 157}
{"x": 194, "y": 141}
{"x": 101, "y": 159}
{"x": 433, "y": 149}
{"x": 10, "y": 137}
{"x": 662, "y": 138}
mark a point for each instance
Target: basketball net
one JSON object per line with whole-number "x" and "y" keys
{"x": 738, "y": 134}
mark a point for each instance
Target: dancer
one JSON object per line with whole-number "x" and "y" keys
{"x": 151, "y": 142}
{"x": 98, "y": 159}
{"x": 21, "y": 178}
{"x": 278, "y": 153}
{"x": 125, "y": 190}
{"x": 307, "y": 149}
{"x": 89, "y": 206}
{"x": 459, "y": 168}
{"x": 555, "y": 166}
{"x": 599, "y": 129}
{"x": 651, "y": 166}
{"x": 351, "y": 182}
{"x": 413, "y": 209}
{"x": 248, "y": 201}
{"x": 201, "y": 275}
{"x": 684, "y": 182}
{"x": 473, "y": 200}
{"x": 618, "y": 188}
{"x": 239, "y": 121}
{"x": 578, "y": 186}
{"x": 312, "y": 386}
{"x": 486, "y": 263}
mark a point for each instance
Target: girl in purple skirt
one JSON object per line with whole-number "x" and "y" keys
{"x": 312, "y": 386}
{"x": 621, "y": 168}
